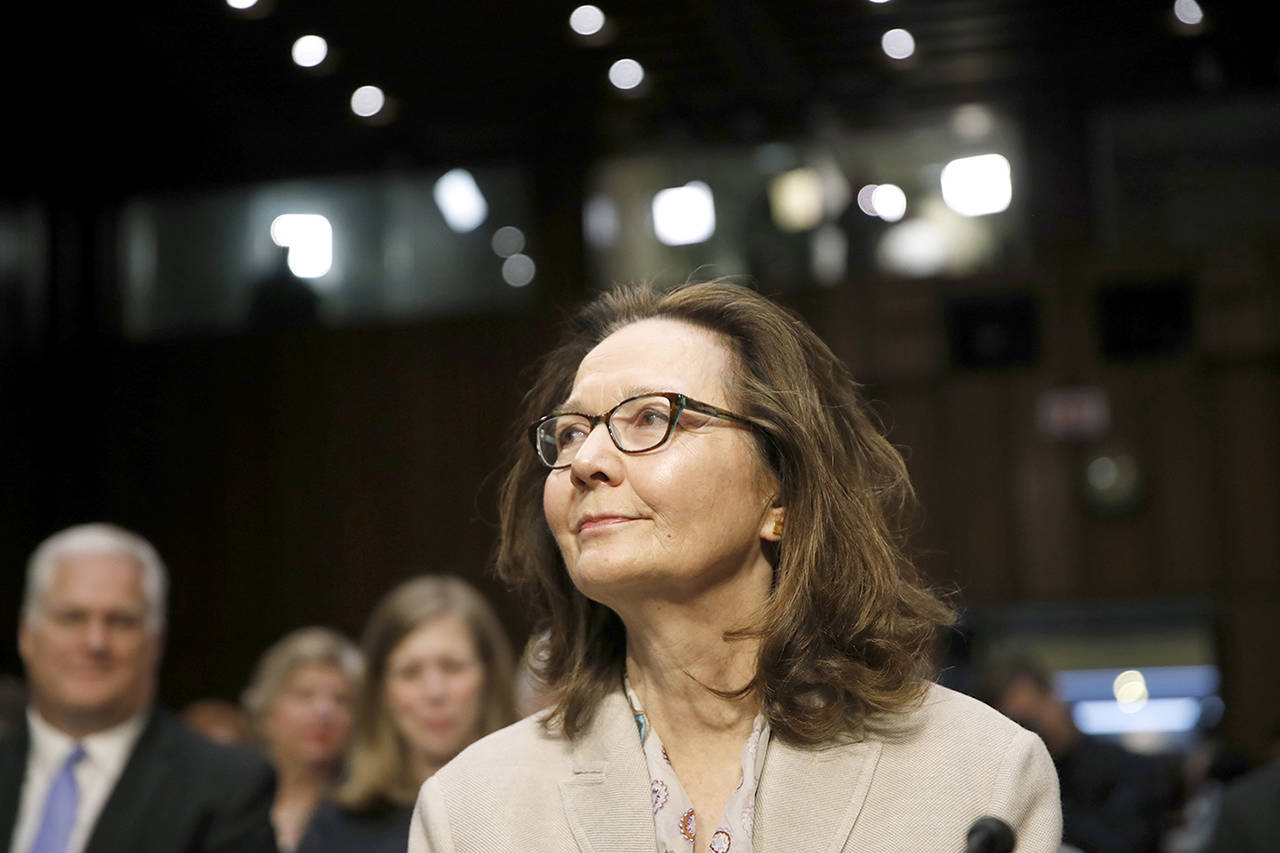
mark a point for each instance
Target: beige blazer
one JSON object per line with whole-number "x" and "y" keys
{"x": 954, "y": 760}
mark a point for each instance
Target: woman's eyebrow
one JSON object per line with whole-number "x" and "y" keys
{"x": 627, "y": 393}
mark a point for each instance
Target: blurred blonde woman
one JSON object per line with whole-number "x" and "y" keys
{"x": 439, "y": 675}
{"x": 301, "y": 708}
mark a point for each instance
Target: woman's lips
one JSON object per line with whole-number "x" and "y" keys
{"x": 438, "y": 726}
{"x": 600, "y": 521}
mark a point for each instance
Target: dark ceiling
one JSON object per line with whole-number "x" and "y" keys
{"x": 191, "y": 93}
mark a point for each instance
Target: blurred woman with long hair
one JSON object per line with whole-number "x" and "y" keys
{"x": 438, "y": 675}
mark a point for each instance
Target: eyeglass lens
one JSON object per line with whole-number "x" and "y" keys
{"x": 638, "y": 424}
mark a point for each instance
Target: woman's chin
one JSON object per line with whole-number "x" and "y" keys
{"x": 617, "y": 582}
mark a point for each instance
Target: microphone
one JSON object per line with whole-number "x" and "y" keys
{"x": 990, "y": 835}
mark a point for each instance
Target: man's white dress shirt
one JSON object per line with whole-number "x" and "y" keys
{"x": 106, "y": 754}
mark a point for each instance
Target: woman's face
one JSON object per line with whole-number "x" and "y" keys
{"x": 309, "y": 721}
{"x": 435, "y": 689}
{"x": 675, "y": 521}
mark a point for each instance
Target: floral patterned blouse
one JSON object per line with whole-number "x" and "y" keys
{"x": 673, "y": 819}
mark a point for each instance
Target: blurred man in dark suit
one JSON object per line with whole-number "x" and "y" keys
{"x": 1113, "y": 800}
{"x": 94, "y": 767}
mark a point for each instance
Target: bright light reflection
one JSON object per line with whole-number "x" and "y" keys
{"x": 518, "y": 270}
{"x": 1188, "y": 12}
{"x": 309, "y": 239}
{"x": 310, "y": 51}
{"x": 684, "y": 215}
{"x": 367, "y": 101}
{"x": 507, "y": 241}
{"x": 829, "y": 255}
{"x": 972, "y": 121}
{"x": 889, "y": 202}
{"x": 242, "y": 4}
{"x": 600, "y": 223}
{"x": 795, "y": 200}
{"x": 1104, "y": 717}
{"x": 460, "y": 201}
{"x": 879, "y": 1}
{"x": 1102, "y": 473}
{"x": 865, "y": 203}
{"x": 917, "y": 248}
{"x": 977, "y": 186}
{"x": 626, "y": 74}
{"x": 586, "y": 20}
{"x": 898, "y": 44}
{"x": 1130, "y": 690}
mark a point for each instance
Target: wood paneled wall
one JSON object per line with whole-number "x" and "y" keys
{"x": 293, "y": 479}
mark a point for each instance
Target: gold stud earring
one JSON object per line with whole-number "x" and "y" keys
{"x": 777, "y": 527}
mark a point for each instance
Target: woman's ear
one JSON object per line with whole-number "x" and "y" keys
{"x": 774, "y": 523}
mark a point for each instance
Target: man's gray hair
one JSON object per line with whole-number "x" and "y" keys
{"x": 95, "y": 540}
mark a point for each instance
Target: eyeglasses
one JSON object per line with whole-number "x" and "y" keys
{"x": 637, "y": 424}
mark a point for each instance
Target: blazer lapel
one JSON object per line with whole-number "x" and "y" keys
{"x": 13, "y": 770}
{"x": 606, "y": 798}
{"x": 809, "y": 798}
{"x": 132, "y": 803}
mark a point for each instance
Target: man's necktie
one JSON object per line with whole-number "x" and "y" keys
{"x": 60, "y": 808}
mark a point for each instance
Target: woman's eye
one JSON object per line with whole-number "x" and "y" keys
{"x": 652, "y": 417}
{"x": 452, "y": 667}
{"x": 570, "y": 434}
{"x": 407, "y": 673}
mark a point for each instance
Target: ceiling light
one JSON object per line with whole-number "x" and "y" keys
{"x": 626, "y": 74}
{"x": 367, "y": 101}
{"x": 898, "y": 44}
{"x": 310, "y": 51}
{"x": 586, "y": 20}
{"x": 1188, "y": 12}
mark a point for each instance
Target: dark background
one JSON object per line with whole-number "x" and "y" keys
{"x": 291, "y": 478}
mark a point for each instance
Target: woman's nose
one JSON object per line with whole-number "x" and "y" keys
{"x": 598, "y": 458}
{"x": 432, "y": 684}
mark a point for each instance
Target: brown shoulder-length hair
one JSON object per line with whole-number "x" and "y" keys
{"x": 848, "y": 630}
{"x": 379, "y": 774}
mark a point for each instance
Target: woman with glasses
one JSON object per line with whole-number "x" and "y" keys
{"x": 438, "y": 675}
{"x": 703, "y": 519}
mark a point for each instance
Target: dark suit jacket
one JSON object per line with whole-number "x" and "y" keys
{"x": 178, "y": 793}
{"x": 1250, "y": 816}
{"x": 333, "y": 829}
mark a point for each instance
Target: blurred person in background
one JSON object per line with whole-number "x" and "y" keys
{"x": 301, "y": 706}
{"x": 1248, "y": 820}
{"x": 1113, "y": 800}
{"x": 13, "y": 702}
{"x": 702, "y": 515}
{"x": 94, "y": 766}
{"x": 218, "y": 720}
{"x": 438, "y": 675}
